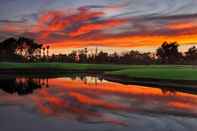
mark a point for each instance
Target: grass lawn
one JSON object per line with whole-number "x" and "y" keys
{"x": 64, "y": 66}
{"x": 171, "y": 72}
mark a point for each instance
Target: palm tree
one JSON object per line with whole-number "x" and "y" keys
{"x": 43, "y": 51}
{"x": 47, "y": 47}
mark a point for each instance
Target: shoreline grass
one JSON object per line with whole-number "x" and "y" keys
{"x": 159, "y": 73}
{"x": 63, "y": 66}
{"x": 171, "y": 72}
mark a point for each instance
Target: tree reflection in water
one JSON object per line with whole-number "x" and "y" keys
{"x": 95, "y": 100}
{"x": 53, "y": 104}
{"x": 26, "y": 85}
{"x": 21, "y": 86}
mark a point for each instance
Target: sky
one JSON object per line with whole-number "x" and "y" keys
{"x": 111, "y": 25}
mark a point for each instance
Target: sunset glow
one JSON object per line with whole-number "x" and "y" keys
{"x": 64, "y": 25}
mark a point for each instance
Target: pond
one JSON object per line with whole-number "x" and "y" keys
{"x": 86, "y": 103}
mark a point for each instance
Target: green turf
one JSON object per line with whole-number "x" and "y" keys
{"x": 172, "y": 72}
{"x": 66, "y": 66}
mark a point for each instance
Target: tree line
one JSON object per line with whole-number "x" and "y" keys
{"x": 27, "y": 50}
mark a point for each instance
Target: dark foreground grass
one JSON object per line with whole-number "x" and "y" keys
{"x": 168, "y": 72}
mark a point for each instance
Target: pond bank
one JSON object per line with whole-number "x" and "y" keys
{"x": 188, "y": 86}
{"x": 175, "y": 77}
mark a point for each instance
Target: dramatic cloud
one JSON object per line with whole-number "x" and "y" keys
{"x": 87, "y": 28}
{"x": 118, "y": 24}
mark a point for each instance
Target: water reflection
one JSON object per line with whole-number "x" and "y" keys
{"x": 21, "y": 86}
{"x": 94, "y": 100}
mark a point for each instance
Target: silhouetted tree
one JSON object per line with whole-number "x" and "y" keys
{"x": 102, "y": 57}
{"x": 23, "y": 48}
{"x": 43, "y": 52}
{"x": 191, "y": 56}
{"x": 47, "y": 47}
{"x": 72, "y": 57}
{"x": 168, "y": 53}
{"x": 28, "y": 48}
{"x": 7, "y": 50}
{"x": 114, "y": 58}
{"x": 83, "y": 56}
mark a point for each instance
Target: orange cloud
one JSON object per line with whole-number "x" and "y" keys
{"x": 56, "y": 21}
{"x": 86, "y": 26}
{"x": 181, "y": 25}
{"x": 12, "y": 28}
{"x": 97, "y": 26}
{"x": 73, "y": 27}
{"x": 126, "y": 41}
